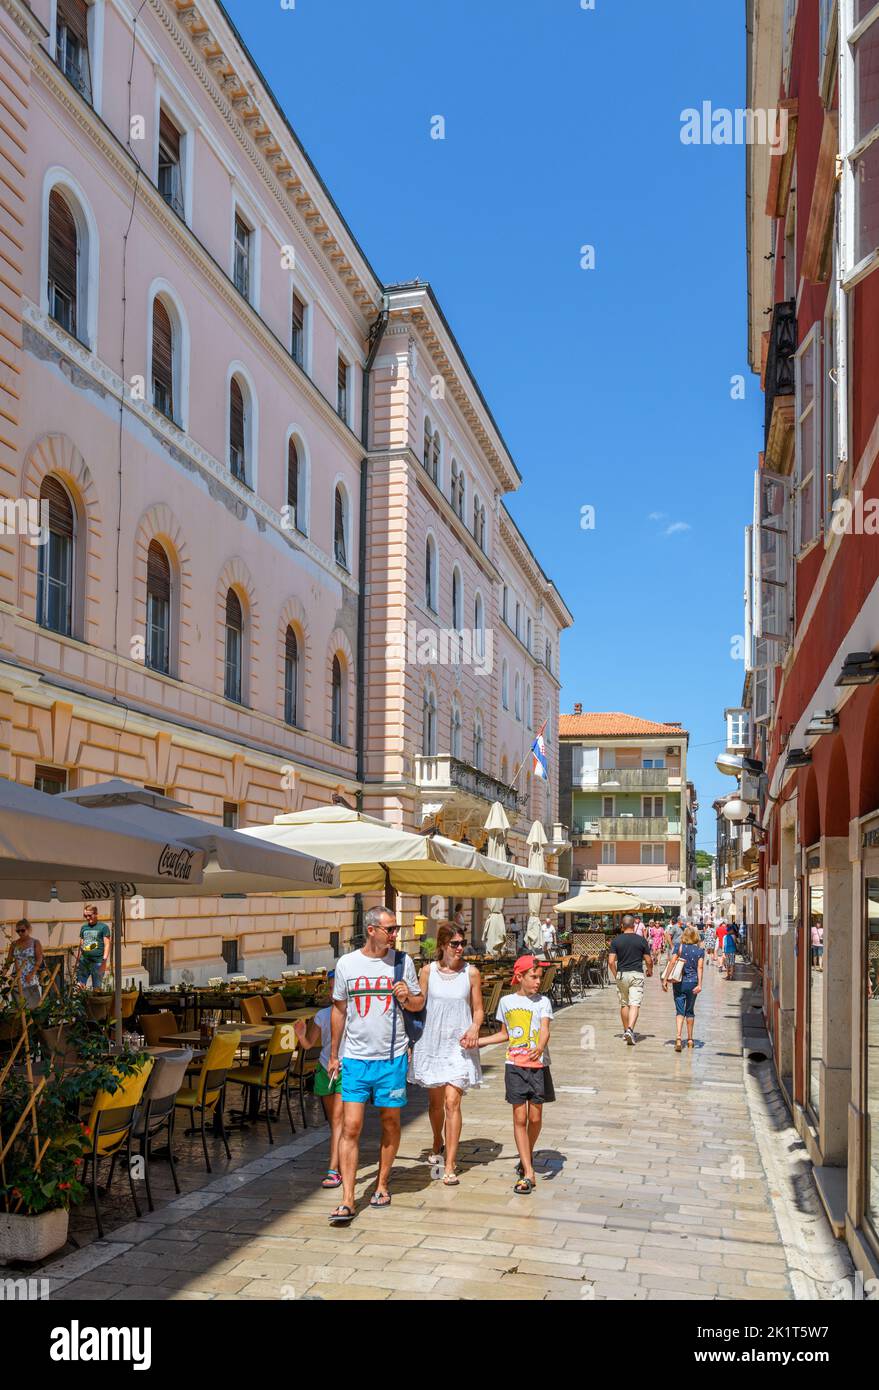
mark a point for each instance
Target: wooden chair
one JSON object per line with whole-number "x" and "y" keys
{"x": 273, "y": 1074}
{"x": 548, "y": 980}
{"x": 491, "y": 997}
{"x": 206, "y": 1097}
{"x": 158, "y": 1026}
{"x": 111, "y": 1123}
{"x": 274, "y": 1004}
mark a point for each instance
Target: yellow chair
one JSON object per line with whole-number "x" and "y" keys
{"x": 111, "y": 1124}
{"x": 307, "y": 1062}
{"x": 158, "y": 1026}
{"x": 206, "y": 1097}
{"x": 252, "y": 1009}
{"x": 273, "y": 1074}
{"x": 275, "y": 1004}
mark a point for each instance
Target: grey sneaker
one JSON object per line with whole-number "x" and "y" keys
{"x": 630, "y": 1037}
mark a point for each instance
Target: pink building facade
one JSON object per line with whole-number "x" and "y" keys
{"x": 207, "y": 394}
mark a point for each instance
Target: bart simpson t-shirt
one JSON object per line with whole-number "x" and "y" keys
{"x": 521, "y": 1016}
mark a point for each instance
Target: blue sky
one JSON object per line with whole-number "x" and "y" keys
{"x": 611, "y": 385}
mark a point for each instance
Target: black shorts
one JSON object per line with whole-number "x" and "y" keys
{"x": 528, "y": 1083}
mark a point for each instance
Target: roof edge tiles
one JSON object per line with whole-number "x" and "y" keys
{"x": 612, "y": 724}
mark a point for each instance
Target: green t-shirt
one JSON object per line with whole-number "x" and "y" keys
{"x": 92, "y": 938}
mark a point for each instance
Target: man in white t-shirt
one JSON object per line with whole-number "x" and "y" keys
{"x": 367, "y": 1009}
{"x": 547, "y": 932}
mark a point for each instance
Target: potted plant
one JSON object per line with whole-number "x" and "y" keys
{"x": 42, "y": 1137}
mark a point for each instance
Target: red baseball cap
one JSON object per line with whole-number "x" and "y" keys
{"x": 527, "y": 963}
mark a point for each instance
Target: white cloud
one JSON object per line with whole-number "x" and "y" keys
{"x": 657, "y": 516}
{"x": 677, "y": 526}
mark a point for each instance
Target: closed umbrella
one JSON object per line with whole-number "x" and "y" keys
{"x": 494, "y": 934}
{"x": 537, "y": 863}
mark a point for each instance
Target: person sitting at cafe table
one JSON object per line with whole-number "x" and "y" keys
{"x": 94, "y": 949}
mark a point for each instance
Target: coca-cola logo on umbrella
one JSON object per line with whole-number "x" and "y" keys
{"x": 323, "y": 872}
{"x": 176, "y": 863}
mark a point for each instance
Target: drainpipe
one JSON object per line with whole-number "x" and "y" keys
{"x": 376, "y": 334}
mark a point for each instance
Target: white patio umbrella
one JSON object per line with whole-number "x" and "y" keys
{"x": 51, "y": 848}
{"x": 232, "y": 863}
{"x": 537, "y": 863}
{"x": 494, "y": 933}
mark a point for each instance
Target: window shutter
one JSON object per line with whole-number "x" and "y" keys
{"x": 74, "y": 13}
{"x": 60, "y": 507}
{"x": 291, "y": 646}
{"x": 233, "y": 611}
{"x": 293, "y": 479}
{"x": 63, "y": 245}
{"x": 169, "y": 137}
{"x": 163, "y": 372}
{"x": 158, "y": 573}
{"x": 236, "y": 418}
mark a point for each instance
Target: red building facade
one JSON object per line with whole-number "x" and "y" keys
{"x": 813, "y": 689}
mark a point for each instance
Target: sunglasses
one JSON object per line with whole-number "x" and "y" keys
{"x": 462, "y": 944}
{"x": 21, "y": 930}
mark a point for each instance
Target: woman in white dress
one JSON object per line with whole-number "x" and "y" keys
{"x": 445, "y": 1059}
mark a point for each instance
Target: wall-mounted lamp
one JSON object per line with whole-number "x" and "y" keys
{"x": 797, "y": 757}
{"x": 859, "y": 668}
{"x": 823, "y": 721}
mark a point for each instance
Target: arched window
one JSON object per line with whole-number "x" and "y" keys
{"x": 453, "y": 490}
{"x": 163, "y": 360}
{"x": 234, "y": 647}
{"x": 457, "y": 600}
{"x": 505, "y": 599}
{"x": 428, "y": 442}
{"x": 238, "y": 460}
{"x": 430, "y": 575}
{"x": 295, "y": 487}
{"x": 528, "y": 631}
{"x": 505, "y": 684}
{"x": 340, "y": 527}
{"x": 529, "y": 711}
{"x": 158, "y": 616}
{"x": 455, "y": 730}
{"x": 517, "y": 697}
{"x": 291, "y": 677}
{"x": 337, "y": 710}
{"x": 428, "y": 715}
{"x": 478, "y": 746}
{"x": 479, "y": 625}
{"x": 434, "y": 469}
{"x": 478, "y": 522}
{"x": 462, "y": 490}
{"x": 55, "y": 560}
{"x": 64, "y": 262}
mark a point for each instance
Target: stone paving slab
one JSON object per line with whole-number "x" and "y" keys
{"x": 651, "y": 1185}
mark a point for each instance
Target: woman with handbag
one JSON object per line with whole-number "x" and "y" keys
{"x": 445, "y": 1060}
{"x": 684, "y": 973}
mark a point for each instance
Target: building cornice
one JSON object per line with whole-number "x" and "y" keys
{"x": 528, "y": 561}
{"x": 208, "y": 42}
{"x": 176, "y": 441}
{"x": 25, "y": 19}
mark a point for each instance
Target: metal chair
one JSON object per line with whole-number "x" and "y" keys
{"x": 273, "y": 1074}
{"x": 306, "y": 1064}
{"x": 157, "y": 1110}
{"x": 208, "y": 1094}
{"x": 111, "y": 1124}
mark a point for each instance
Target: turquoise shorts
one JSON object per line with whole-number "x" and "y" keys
{"x": 376, "y": 1083}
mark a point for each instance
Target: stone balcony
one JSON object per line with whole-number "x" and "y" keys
{"x": 447, "y": 783}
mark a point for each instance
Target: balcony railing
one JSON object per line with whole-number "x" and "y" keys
{"x": 445, "y": 773}
{"x": 627, "y": 828}
{"x": 780, "y": 356}
{"x": 634, "y": 778}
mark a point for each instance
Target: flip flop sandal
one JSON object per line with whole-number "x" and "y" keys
{"x": 333, "y": 1178}
{"x": 523, "y": 1187}
{"x": 380, "y": 1199}
{"x": 342, "y": 1216}
{"x": 520, "y": 1168}
{"x": 436, "y": 1157}
{"x": 451, "y": 1179}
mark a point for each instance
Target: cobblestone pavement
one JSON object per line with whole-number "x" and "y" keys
{"x": 651, "y": 1186}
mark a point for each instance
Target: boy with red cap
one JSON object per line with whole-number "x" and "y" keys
{"x": 525, "y": 1018}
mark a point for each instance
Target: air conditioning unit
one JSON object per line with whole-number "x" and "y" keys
{"x": 670, "y": 752}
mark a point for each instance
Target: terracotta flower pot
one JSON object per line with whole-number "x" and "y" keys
{"x": 32, "y": 1237}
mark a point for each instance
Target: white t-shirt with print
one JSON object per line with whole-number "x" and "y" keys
{"x": 521, "y": 1015}
{"x": 365, "y": 983}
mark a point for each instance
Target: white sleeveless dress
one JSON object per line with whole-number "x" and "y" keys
{"x": 438, "y": 1059}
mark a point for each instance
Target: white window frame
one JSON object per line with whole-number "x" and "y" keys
{"x": 180, "y": 351}
{"x": 185, "y": 124}
{"x": 343, "y": 356}
{"x": 297, "y": 289}
{"x": 458, "y": 609}
{"x": 852, "y": 269}
{"x": 779, "y": 527}
{"x": 88, "y": 276}
{"x": 240, "y": 208}
{"x": 517, "y": 697}
{"x": 431, "y": 574}
{"x": 652, "y": 846}
{"x": 297, "y": 433}
{"x": 505, "y": 684}
{"x": 608, "y": 852}
{"x": 652, "y": 814}
{"x": 96, "y": 10}
{"x": 808, "y": 470}
{"x": 251, "y": 427}
{"x": 339, "y": 482}
{"x": 611, "y": 814}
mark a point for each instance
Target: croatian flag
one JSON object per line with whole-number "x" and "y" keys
{"x": 538, "y": 751}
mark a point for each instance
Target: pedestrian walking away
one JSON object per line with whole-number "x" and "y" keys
{"x": 729, "y": 950}
{"x": 26, "y": 955}
{"x": 690, "y": 984}
{"x": 94, "y": 949}
{"x": 525, "y": 1018}
{"x": 367, "y": 1004}
{"x": 318, "y": 1032}
{"x": 445, "y": 1059}
{"x": 626, "y": 962}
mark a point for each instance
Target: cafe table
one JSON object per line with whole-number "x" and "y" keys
{"x": 294, "y": 1015}
{"x": 253, "y": 1037}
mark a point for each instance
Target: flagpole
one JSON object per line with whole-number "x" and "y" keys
{"x": 525, "y": 759}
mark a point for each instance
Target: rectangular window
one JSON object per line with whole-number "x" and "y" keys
{"x": 737, "y": 729}
{"x": 242, "y": 272}
{"x": 288, "y": 946}
{"x": 808, "y": 437}
{"x": 652, "y": 806}
{"x": 608, "y": 854}
{"x": 859, "y": 131}
{"x": 653, "y": 854}
{"x": 51, "y": 780}
{"x": 170, "y": 166}
{"x": 771, "y": 577}
{"x": 342, "y": 389}
{"x": 230, "y": 956}
{"x": 297, "y": 335}
{"x": 607, "y": 806}
{"x": 335, "y": 943}
{"x": 152, "y": 958}
{"x": 653, "y": 762}
{"x": 72, "y": 44}
{"x": 230, "y": 815}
